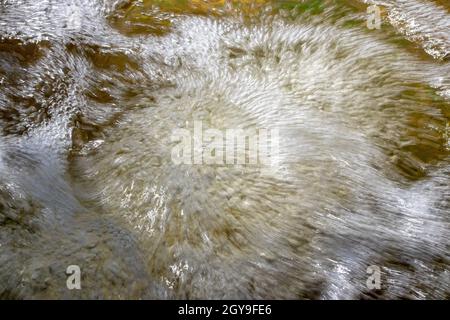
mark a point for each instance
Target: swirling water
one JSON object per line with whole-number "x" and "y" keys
{"x": 92, "y": 91}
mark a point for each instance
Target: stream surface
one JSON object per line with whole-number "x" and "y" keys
{"x": 92, "y": 91}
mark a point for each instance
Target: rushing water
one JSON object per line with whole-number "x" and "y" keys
{"x": 91, "y": 92}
